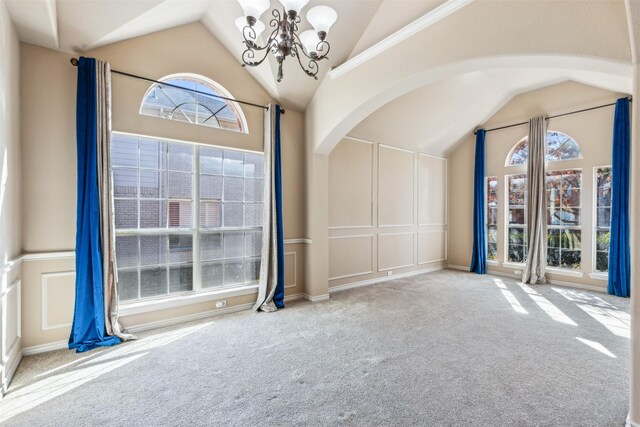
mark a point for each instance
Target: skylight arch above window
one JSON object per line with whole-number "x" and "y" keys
{"x": 199, "y": 104}
{"x": 560, "y": 146}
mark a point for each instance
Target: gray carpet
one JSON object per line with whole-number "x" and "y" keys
{"x": 447, "y": 348}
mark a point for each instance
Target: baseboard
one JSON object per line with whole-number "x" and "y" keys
{"x": 631, "y": 423}
{"x": 382, "y": 279}
{"x": 293, "y": 297}
{"x": 316, "y": 298}
{"x": 45, "y": 348}
{"x": 549, "y": 282}
{"x": 189, "y": 318}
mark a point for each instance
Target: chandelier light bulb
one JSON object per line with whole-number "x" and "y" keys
{"x": 258, "y": 27}
{"x": 310, "y": 40}
{"x": 322, "y": 18}
{"x": 254, "y": 8}
{"x": 294, "y": 5}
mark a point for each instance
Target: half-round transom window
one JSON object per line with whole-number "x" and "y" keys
{"x": 560, "y": 146}
{"x": 193, "y": 99}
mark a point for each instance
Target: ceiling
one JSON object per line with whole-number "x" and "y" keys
{"x": 75, "y": 26}
{"x": 432, "y": 118}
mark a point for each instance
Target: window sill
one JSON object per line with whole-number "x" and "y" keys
{"x": 565, "y": 272}
{"x": 515, "y": 265}
{"x": 128, "y": 309}
{"x": 599, "y": 276}
{"x": 492, "y": 262}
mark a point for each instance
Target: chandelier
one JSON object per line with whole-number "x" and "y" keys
{"x": 309, "y": 47}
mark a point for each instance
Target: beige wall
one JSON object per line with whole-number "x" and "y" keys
{"x": 49, "y": 90}
{"x": 10, "y": 199}
{"x": 592, "y": 130}
{"x": 387, "y": 212}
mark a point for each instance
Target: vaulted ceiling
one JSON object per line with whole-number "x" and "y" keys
{"x": 415, "y": 62}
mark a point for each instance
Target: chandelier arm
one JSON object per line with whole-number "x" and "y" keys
{"x": 249, "y": 54}
{"x": 320, "y": 48}
{"x": 254, "y": 46}
{"x": 311, "y": 66}
{"x": 299, "y": 47}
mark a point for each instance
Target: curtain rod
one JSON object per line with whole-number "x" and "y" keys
{"x": 74, "y": 62}
{"x": 475, "y": 132}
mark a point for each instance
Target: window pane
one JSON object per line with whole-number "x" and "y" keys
{"x": 233, "y": 189}
{"x": 153, "y": 281}
{"x": 252, "y": 267}
{"x": 253, "y": 165}
{"x": 604, "y": 177}
{"x": 180, "y": 278}
{"x": 211, "y": 161}
{"x": 253, "y": 243}
{"x": 570, "y": 259}
{"x": 152, "y": 184}
{"x": 180, "y": 214}
{"x": 233, "y": 272}
{"x": 232, "y": 163}
{"x": 602, "y": 261}
{"x": 127, "y": 251}
{"x": 253, "y": 190}
{"x": 570, "y": 239}
{"x": 602, "y": 240}
{"x": 517, "y": 216}
{"x": 212, "y": 274}
{"x": 153, "y": 250}
{"x": 180, "y": 157}
{"x": 211, "y": 247}
{"x": 492, "y": 216}
{"x": 152, "y": 153}
{"x": 210, "y": 214}
{"x": 492, "y": 251}
{"x": 127, "y": 284}
{"x": 180, "y": 185}
{"x": 604, "y": 196}
{"x": 492, "y": 235}
{"x": 233, "y": 214}
{"x": 124, "y": 150}
{"x": 211, "y": 187}
{"x": 253, "y": 215}
{"x": 603, "y": 217}
{"x": 126, "y": 213}
{"x": 233, "y": 244}
{"x": 180, "y": 248}
{"x": 125, "y": 183}
{"x": 516, "y": 253}
{"x": 553, "y": 239}
{"x": 553, "y": 257}
{"x": 517, "y": 236}
{"x": 153, "y": 214}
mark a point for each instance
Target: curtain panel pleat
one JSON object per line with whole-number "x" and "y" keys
{"x": 619, "y": 247}
{"x": 535, "y": 267}
{"x": 95, "y": 320}
{"x": 271, "y": 284}
{"x": 479, "y": 255}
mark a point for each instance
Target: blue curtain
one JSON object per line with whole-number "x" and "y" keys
{"x": 278, "y": 296}
{"x": 619, "y": 249}
{"x": 88, "y": 329}
{"x": 479, "y": 257}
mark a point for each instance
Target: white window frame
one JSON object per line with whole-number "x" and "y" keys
{"x": 198, "y": 293}
{"x": 507, "y": 262}
{"x": 595, "y": 274}
{"x": 486, "y": 216}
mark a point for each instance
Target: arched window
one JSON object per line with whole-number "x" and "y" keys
{"x": 560, "y": 146}
{"x": 204, "y": 108}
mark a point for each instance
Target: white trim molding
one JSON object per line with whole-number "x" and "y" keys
{"x": 410, "y": 30}
{"x": 41, "y": 256}
{"x": 44, "y": 286}
{"x": 304, "y": 241}
{"x": 382, "y": 279}
{"x": 565, "y": 272}
{"x": 599, "y": 276}
{"x": 295, "y": 269}
{"x": 316, "y": 298}
{"x": 182, "y": 299}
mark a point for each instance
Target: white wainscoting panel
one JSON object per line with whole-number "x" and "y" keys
{"x": 58, "y": 290}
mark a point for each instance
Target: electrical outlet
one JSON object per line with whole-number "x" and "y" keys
{"x": 389, "y": 273}
{"x": 221, "y": 304}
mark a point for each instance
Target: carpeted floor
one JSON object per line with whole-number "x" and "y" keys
{"x": 447, "y": 348}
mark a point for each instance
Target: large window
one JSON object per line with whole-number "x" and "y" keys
{"x": 492, "y": 218}
{"x": 200, "y": 104}
{"x": 603, "y": 218}
{"x": 517, "y": 227}
{"x": 187, "y": 217}
{"x": 564, "y": 205}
